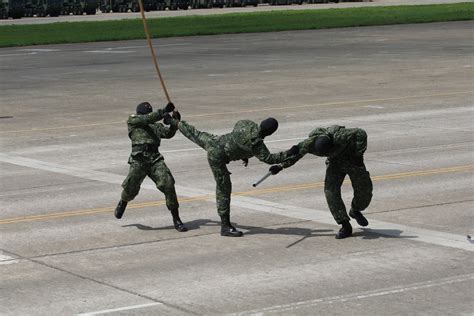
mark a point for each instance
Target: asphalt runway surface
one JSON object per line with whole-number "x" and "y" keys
{"x": 64, "y": 150}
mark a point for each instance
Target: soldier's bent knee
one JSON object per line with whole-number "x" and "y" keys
{"x": 331, "y": 193}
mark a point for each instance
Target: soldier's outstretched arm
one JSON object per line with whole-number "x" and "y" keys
{"x": 261, "y": 152}
{"x": 303, "y": 149}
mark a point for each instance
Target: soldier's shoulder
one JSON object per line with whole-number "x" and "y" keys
{"x": 245, "y": 124}
{"x": 318, "y": 131}
{"x": 336, "y": 129}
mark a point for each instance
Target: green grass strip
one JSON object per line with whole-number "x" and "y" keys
{"x": 76, "y": 32}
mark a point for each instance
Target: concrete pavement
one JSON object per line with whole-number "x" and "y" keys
{"x": 64, "y": 149}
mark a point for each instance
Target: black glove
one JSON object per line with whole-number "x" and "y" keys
{"x": 294, "y": 150}
{"x": 358, "y": 160}
{"x": 169, "y": 107}
{"x": 167, "y": 119}
{"x": 245, "y": 162}
{"x": 177, "y": 115}
{"x": 275, "y": 169}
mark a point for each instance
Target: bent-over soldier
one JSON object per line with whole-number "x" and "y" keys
{"x": 344, "y": 149}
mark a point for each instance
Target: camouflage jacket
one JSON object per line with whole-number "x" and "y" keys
{"x": 244, "y": 142}
{"x": 348, "y": 142}
{"x": 146, "y": 133}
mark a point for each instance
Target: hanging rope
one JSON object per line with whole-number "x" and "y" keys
{"x": 155, "y": 60}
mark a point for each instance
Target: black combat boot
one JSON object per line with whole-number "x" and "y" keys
{"x": 227, "y": 229}
{"x": 178, "y": 224}
{"x": 345, "y": 231}
{"x": 357, "y": 215}
{"x": 120, "y": 209}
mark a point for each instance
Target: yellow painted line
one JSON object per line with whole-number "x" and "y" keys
{"x": 249, "y": 111}
{"x": 93, "y": 211}
{"x": 302, "y": 186}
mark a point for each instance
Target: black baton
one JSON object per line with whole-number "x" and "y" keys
{"x": 262, "y": 179}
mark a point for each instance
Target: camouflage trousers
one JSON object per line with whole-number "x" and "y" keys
{"x": 217, "y": 161}
{"x": 157, "y": 170}
{"x": 361, "y": 184}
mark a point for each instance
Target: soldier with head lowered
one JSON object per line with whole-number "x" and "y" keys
{"x": 146, "y": 133}
{"x": 244, "y": 142}
{"x": 344, "y": 149}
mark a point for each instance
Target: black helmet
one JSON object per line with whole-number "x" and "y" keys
{"x": 268, "y": 126}
{"x": 144, "y": 108}
{"x": 322, "y": 145}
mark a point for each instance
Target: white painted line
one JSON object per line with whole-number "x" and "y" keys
{"x": 374, "y": 107}
{"x": 413, "y": 115}
{"x": 251, "y": 203}
{"x": 172, "y": 45}
{"x": 21, "y": 54}
{"x": 46, "y": 50}
{"x": 126, "y": 49}
{"x": 357, "y": 296}
{"x": 110, "y": 51}
{"x": 4, "y": 259}
{"x": 126, "y": 308}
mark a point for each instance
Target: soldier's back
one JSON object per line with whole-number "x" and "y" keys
{"x": 238, "y": 143}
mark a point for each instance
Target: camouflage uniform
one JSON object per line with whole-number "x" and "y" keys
{"x": 242, "y": 143}
{"x": 145, "y": 160}
{"x": 344, "y": 158}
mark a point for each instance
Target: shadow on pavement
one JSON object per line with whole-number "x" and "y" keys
{"x": 196, "y": 224}
{"x": 251, "y": 230}
{"x": 368, "y": 233}
{"x": 365, "y": 233}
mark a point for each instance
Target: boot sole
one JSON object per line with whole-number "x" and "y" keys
{"x": 343, "y": 237}
{"x": 362, "y": 222}
{"x": 231, "y": 235}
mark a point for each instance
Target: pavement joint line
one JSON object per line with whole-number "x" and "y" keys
{"x": 251, "y": 203}
{"x": 188, "y": 236}
{"x": 358, "y": 296}
{"x": 254, "y": 111}
{"x": 420, "y": 206}
{"x": 86, "y": 278}
{"x": 126, "y": 308}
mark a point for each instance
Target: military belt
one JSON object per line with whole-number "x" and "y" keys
{"x": 145, "y": 148}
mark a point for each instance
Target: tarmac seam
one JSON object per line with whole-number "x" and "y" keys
{"x": 421, "y": 206}
{"x": 101, "y": 282}
{"x": 139, "y": 243}
{"x": 357, "y": 296}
